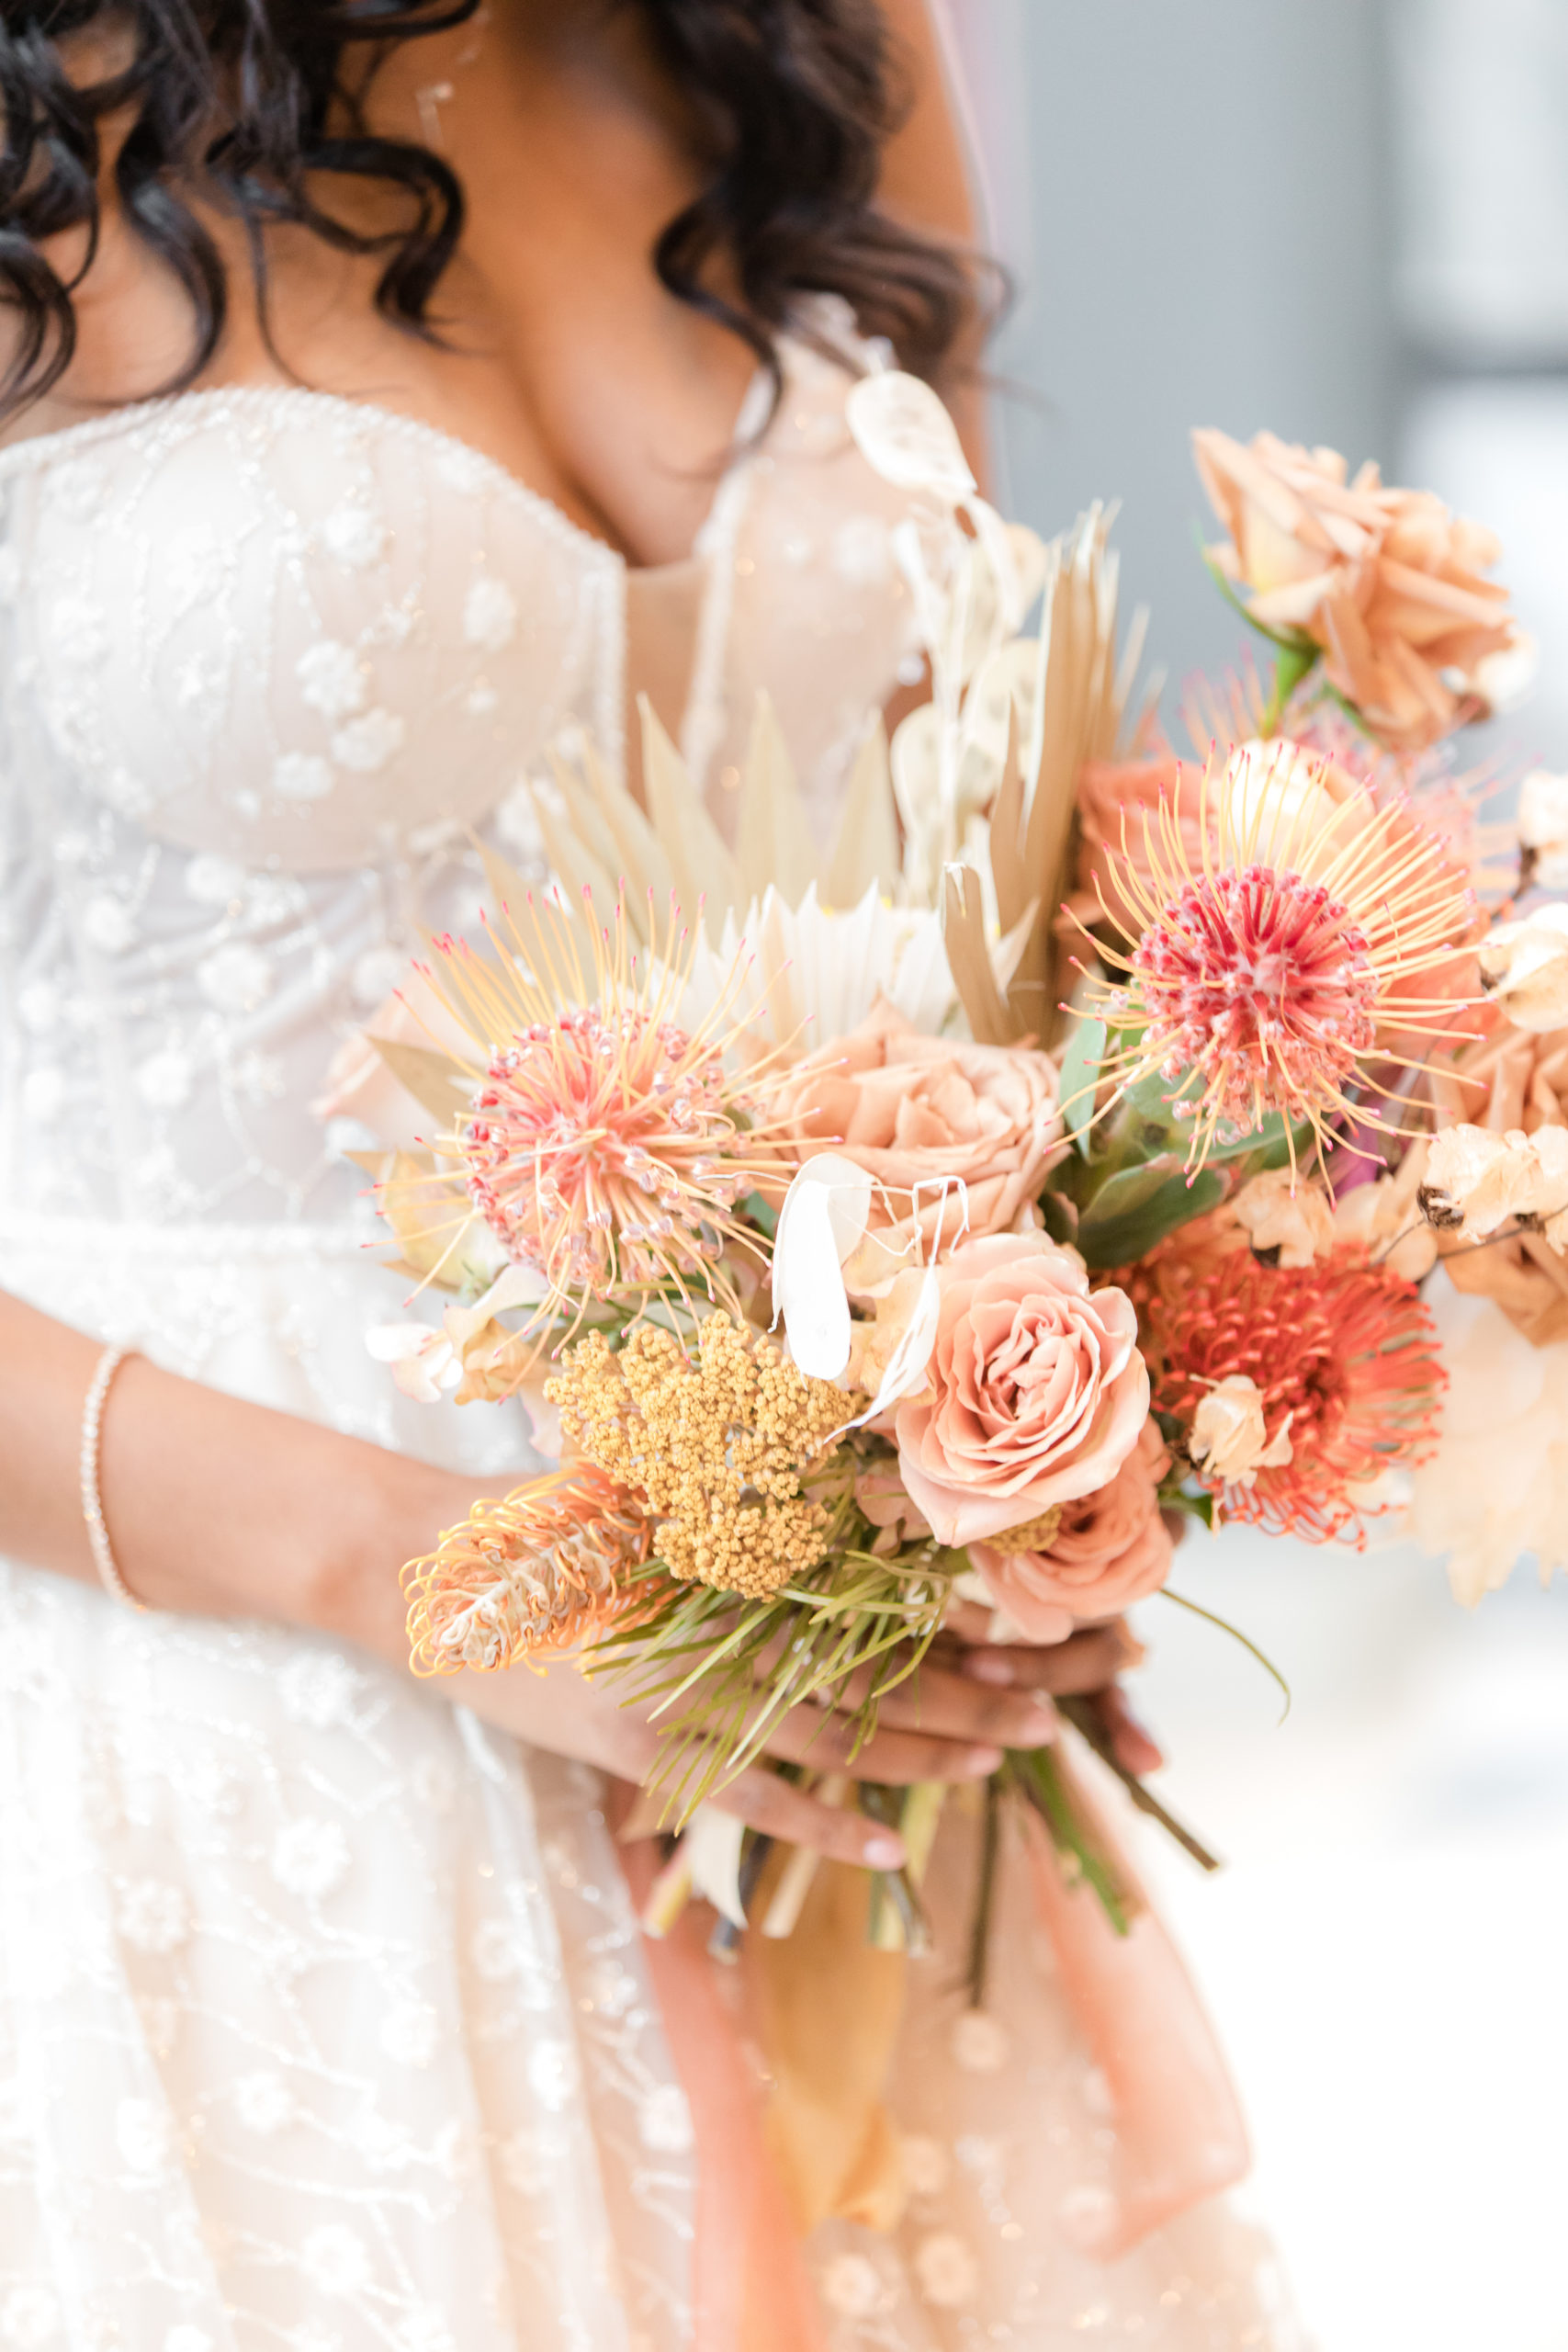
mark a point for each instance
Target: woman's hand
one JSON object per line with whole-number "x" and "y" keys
{"x": 948, "y": 1723}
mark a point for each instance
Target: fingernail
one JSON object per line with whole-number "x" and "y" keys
{"x": 984, "y": 1666}
{"x": 984, "y": 1759}
{"x": 883, "y": 1853}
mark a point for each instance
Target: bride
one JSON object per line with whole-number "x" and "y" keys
{"x": 389, "y": 387}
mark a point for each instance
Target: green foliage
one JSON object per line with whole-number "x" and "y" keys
{"x": 1137, "y": 1207}
{"x": 1080, "y": 1073}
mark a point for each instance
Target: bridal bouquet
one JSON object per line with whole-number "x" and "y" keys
{"x": 920, "y": 1236}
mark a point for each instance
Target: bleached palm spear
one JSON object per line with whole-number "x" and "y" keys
{"x": 986, "y": 774}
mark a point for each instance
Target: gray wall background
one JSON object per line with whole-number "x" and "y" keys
{"x": 1347, "y": 220}
{"x": 1207, "y": 242}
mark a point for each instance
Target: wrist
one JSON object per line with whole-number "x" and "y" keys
{"x": 395, "y": 1512}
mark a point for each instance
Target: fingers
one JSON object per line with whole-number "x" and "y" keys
{"x": 1086, "y": 1661}
{"x": 961, "y": 1707}
{"x": 826, "y": 1741}
{"x": 780, "y": 1810}
{"x": 1133, "y": 1749}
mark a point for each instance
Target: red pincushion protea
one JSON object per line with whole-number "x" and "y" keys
{"x": 1344, "y": 1348}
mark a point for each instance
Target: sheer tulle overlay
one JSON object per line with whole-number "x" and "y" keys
{"x": 325, "y": 2021}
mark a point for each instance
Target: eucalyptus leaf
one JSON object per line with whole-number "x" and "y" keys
{"x": 1080, "y": 1069}
{"x": 1130, "y": 1213}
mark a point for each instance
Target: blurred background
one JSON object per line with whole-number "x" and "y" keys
{"x": 1348, "y": 222}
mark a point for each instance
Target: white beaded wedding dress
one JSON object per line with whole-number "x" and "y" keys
{"x": 325, "y": 2021}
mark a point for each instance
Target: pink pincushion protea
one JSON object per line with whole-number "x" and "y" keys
{"x": 599, "y": 1149}
{"x": 604, "y": 1145}
{"x": 1313, "y": 932}
{"x": 1263, "y": 985}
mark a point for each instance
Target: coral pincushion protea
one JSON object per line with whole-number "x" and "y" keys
{"x": 606, "y": 1144}
{"x": 1344, "y": 1358}
{"x": 534, "y": 1575}
{"x": 597, "y": 1148}
{"x": 1262, "y": 979}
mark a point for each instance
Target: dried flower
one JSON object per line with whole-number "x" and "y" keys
{"x": 1264, "y": 977}
{"x": 1477, "y": 1180}
{"x": 1382, "y": 1218}
{"x": 1543, "y": 829}
{"x": 717, "y": 1445}
{"x": 1285, "y": 1215}
{"x": 1495, "y": 1490}
{"x": 1516, "y": 1080}
{"x": 1524, "y": 966}
{"x": 1298, "y": 531}
{"x": 1343, "y": 1360}
{"x": 537, "y": 1575}
{"x": 1228, "y": 1440}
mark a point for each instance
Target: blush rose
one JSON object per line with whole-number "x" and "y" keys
{"x": 1034, "y": 1394}
{"x": 1105, "y": 1551}
{"x": 918, "y": 1113}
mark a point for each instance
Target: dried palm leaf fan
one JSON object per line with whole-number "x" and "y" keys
{"x": 598, "y": 839}
{"x": 1068, "y": 706}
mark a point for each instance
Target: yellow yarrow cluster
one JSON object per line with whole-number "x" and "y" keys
{"x": 1034, "y": 1535}
{"x": 716, "y": 1441}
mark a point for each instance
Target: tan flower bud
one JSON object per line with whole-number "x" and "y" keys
{"x": 1543, "y": 826}
{"x": 1477, "y": 1181}
{"x": 1525, "y": 966}
{"x": 1276, "y": 1212}
{"x": 1229, "y": 1439}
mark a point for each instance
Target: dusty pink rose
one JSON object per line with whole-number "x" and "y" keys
{"x": 1034, "y": 1394}
{"x": 917, "y": 1111}
{"x": 1106, "y": 1551}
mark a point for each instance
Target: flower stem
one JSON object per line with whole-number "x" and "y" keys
{"x": 986, "y": 1894}
{"x": 1292, "y": 665}
{"x": 1086, "y": 1720}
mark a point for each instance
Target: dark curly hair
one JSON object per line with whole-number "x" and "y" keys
{"x": 246, "y": 100}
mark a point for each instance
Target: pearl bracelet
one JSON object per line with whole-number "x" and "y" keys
{"x": 114, "y": 1584}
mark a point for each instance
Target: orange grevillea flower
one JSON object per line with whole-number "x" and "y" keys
{"x": 1304, "y": 931}
{"x": 1344, "y": 1358}
{"x": 534, "y": 1576}
{"x": 605, "y": 1144}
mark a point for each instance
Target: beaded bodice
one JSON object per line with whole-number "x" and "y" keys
{"x": 268, "y": 659}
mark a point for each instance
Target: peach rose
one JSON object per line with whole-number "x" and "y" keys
{"x": 1034, "y": 1394}
{"x": 1408, "y": 643}
{"x": 1299, "y": 531}
{"x": 1387, "y": 583}
{"x": 1104, "y": 1552}
{"x": 921, "y": 1112}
